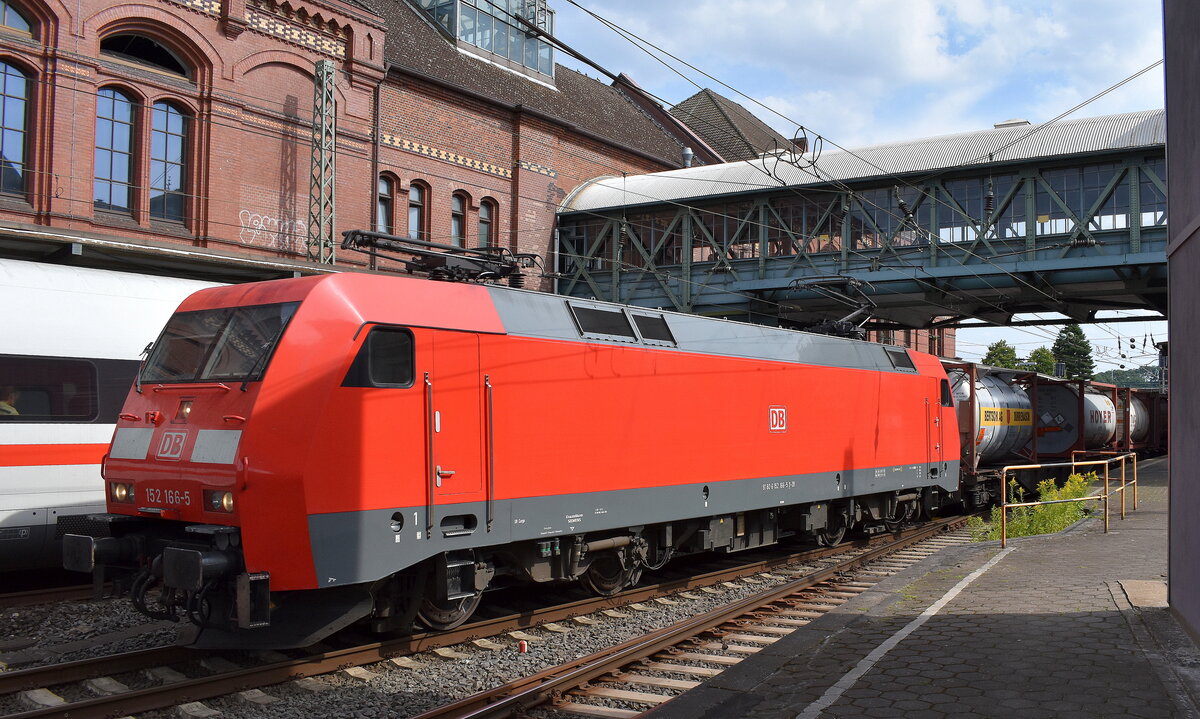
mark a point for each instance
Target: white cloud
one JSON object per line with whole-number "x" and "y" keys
{"x": 867, "y": 71}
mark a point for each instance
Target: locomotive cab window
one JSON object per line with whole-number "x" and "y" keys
{"x": 899, "y": 358}
{"x": 231, "y": 343}
{"x": 385, "y": 360}
{"x": 947, "y": 396}
{"x": 606, "y": 324}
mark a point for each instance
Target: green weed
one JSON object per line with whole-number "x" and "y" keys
{"x": 1044, "y": 519}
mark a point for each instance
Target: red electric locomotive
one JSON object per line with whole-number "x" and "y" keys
{"x": 300, "y": 455}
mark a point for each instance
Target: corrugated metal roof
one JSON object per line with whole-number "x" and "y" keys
{"x": 1000, "y": 145}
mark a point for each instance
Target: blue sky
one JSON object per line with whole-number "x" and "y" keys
{"x": 861, "y": 72}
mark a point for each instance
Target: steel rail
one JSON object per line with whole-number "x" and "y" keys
{"x": 45, "y": 596}
{"x": 62, "y": 673}
{"x": 524, "y": 694}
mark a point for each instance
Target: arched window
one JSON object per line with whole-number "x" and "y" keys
{"x": 487, "y": 223}
{"x": 14, "y": 113}
{"x": 11, "y": 17}
{"x": 418, "y": 211}
{"x": 142, "y": 50}
{"x": 385, "y": 201}
{"x": 114, "y": 150}
{"x": 168, "y": 163}
{"x": 458, "y": 219}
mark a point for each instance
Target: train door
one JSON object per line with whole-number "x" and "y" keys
{"x": 934, "y": 436}
{"x": 930, "y": 433}
{"x": 454, "y": 386}
{"x": 944, "y": 408}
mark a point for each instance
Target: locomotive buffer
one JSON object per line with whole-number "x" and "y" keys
{"x": 445, "y": 262}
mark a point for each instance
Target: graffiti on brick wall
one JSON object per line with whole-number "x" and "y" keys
{"x": 274, "y": 232}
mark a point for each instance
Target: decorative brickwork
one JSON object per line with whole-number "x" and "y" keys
{"x": 447, "y": 156}
{"x": 208, "y": 7}
{"x": 534, "y": 167}
{"x": 272, "y": 25}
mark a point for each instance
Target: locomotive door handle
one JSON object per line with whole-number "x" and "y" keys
{"x": 443, "y": 473}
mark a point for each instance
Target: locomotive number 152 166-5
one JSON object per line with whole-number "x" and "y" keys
{"x": 169, "y": 496}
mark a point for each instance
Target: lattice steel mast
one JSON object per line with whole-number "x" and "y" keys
{"x": 320, "y": 245}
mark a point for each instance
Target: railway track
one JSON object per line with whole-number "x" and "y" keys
{"x": 645, "y": 672}
{"x": 91, "y": 688}
{"x": 31, "y": 597}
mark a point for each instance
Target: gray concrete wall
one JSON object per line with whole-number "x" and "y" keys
{"x": 1181, "y": 19}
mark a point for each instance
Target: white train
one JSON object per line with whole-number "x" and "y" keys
{"x": 70, "y": 344}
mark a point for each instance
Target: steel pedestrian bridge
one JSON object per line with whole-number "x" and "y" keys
{"x": 1065, "y": 217}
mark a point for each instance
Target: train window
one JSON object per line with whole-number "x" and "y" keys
{"x": 603, "y": 323}
{"x": 653, "y": 329}
{"x": 385, "y": 360}
{"x": 47, "y": 389}
{"x": 899, "y": 358}
{"x": 231, "y": 343}
{"x": 947, "y": 396}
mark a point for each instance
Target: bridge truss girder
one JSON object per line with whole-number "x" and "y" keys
{"x": 1070, "y": 235}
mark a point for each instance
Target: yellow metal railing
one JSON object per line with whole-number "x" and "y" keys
{"x": 1074, "y": 464}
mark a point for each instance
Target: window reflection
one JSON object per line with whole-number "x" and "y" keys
{"x": 168, "y": 163}
{"x": 13, "y": 116}
{"x": 11, "y": 17}
{"x": 496, "y": 26}
{"x": 114, "y": 150}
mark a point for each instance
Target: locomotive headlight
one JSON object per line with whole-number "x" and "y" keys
{"x": 218, "y": 501}
{"x": 122, "y": 492}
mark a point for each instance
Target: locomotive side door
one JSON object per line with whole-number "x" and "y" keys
{"x": 454, "y": 394}
{"x": 943, "y": 399}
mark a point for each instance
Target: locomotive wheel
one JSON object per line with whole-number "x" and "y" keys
{"x": 829, "y": 537}
{"x": 443, "y": 614}
{"x": 606, "y": 575}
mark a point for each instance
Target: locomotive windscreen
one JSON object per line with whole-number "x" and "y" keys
{"x": 231, "y": 343}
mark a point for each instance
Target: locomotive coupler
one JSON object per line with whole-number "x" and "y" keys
{"x": 191, "y": 569}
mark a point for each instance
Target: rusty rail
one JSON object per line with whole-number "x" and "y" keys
{"x": 1074, "y": 464}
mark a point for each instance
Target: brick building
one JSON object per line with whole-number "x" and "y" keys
{"x": 941, "y": 342}
{"x": 131, "y": 132}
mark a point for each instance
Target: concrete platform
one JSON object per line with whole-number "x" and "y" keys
{"x": 1072, "y": 625}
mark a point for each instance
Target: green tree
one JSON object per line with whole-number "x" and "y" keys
{"x": 1042, "y": 360}
{"x": 1137, "y": 377}
{"x": 1001, "y": 354}
{"x": 1073, "y": 349}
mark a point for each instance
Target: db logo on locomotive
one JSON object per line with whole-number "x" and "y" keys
{"x": 777, "y": 418}
{"x": 171, "y": 445}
